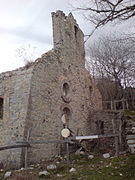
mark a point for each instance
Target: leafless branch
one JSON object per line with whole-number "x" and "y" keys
{"x": 101, "y": 12}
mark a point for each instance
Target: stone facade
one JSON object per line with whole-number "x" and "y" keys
{"x": 54, "y": 88}
{"x": 15, "y": 90}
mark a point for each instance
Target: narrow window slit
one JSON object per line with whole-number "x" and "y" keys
{"x": 1, "y": 107}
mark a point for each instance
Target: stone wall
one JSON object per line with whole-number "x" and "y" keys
{"x": 111, "y": 120}
{"x": 14, "y": 88}
{"x": 61, "y": 68}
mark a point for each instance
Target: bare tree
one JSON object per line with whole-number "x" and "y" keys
{"x": 108, "y": 89}
{"x": 101, "y": 12}
{"x": 114, "y": 59}
{"x": 27, "y": 54}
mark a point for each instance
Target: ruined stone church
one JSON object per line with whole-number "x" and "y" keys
{"x": 54, "y": 91}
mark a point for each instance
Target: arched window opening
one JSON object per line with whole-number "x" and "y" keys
{"x": 66, "y": 116}
{"x": 65, "y": 89}
{"x": 66, "y": 92}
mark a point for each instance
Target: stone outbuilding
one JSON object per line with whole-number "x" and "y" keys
{"x": 45, "y": 96}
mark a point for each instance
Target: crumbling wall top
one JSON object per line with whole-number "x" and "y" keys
{"x": 63, "y": 27}
{"x": 67, "y": 36}
{"x": 62, "y": 15}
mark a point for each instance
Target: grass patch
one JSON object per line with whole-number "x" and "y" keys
{"x": 130, "y": 112}
{"x": 98, "y": 168}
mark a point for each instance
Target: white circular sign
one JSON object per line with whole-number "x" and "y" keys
{"x": 65, "y": 132}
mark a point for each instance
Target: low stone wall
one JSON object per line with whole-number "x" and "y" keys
{"x": 104, "y": 120}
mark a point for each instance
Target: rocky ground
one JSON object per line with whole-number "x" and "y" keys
{"x": 81, "y": 167}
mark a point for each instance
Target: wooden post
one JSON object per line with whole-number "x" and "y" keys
{"x": 117, "y": 145}
{"x": 116, "y": 139}
{"x": 68, "y": 162}
{"x": 2, "y": 148}
{"x": 120, "y": 133}
{"x": 26, "y": 151}
{"x": 67, "y": 150}
{"x": 111, "y": 105}
{"x": 123, "y": 104}
{"x": 114, "y": 105}
{"x": 126, "y": 104}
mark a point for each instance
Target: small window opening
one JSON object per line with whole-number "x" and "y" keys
{"x": 66, "y": 115}
{"x": 90, "y": 89}
{"x": 100, "y": 127}
{"x": 1, "y": 108}
{"x": 76, "y": 30}
{"x": 65, "y": 89}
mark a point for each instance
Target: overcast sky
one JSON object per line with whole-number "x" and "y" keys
{"x": 24, "y": 23}
{"x": 28, "y": 22}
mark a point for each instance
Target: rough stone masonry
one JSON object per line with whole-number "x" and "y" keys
{"x": 53, "y": 92}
